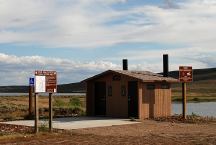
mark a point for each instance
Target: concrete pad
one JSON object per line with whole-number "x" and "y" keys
{"x": 77, "y": 122}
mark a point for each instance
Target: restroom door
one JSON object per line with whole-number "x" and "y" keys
{"x": 100, "y": 98}
{"x": 133, "y": 99}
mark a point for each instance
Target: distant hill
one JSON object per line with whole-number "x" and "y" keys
{"x": 202, "y": 88}
{"x": 64, "y": 88}
{"x": 73, "y": 87}
{"x": 13, "y": 89}
{"x": 200, "y": 75}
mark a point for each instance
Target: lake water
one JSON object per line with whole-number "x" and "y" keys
{"x": 203, "y": 108}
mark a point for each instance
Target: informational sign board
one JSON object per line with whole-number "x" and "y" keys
{"x": 46, "y": 81}
{"x": 31, "y": 81}
{"x": 40, "y": 85}
{"x": 185, "y": 74}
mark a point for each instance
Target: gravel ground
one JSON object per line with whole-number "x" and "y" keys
{"x": 147, "y": 132}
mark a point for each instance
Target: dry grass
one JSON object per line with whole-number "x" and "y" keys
{"x": 147, "y": 132}
{"x": 198, "y": 91}
{"x": 13, "y": 108}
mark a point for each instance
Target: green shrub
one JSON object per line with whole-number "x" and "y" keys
{"x": 75, "y": 102}
{"x": 29, "y": 116}
{"x": 59, "y": 103}
{"x": 194, "y": 114}
{"x": 43, "y": 126}
{"x": 196, "y": 99}
{"x": 9, "y": 117}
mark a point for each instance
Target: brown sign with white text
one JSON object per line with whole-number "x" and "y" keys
{"x": 185, "y": 74}
{"x": 50, "y": 80}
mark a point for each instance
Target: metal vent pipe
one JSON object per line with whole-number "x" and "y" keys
{"x": 165, "y": 65}
{"x": 125, "y": 64}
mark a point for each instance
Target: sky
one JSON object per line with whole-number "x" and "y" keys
{"x": 80, "y": 38}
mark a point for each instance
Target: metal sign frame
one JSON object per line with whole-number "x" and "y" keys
{"x": 185, "y": 74}
{"x": 31, "y": 81}
{"x": 50, "y": 81}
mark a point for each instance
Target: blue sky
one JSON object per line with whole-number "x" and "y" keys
{"x": 80, "y": 38}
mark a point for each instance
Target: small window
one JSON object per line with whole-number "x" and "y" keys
{"x": 123, "y": 90}
{"x": 150, "y": 86}
{"x": 116, "y": 78}
{"x": 165, "y": 86}
{"x": 109, "y": 90}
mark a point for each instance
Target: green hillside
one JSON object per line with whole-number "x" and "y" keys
{"x": 64, "y": 88}
{"x": 199, "y": 74}
{"x": 203, "y": 87}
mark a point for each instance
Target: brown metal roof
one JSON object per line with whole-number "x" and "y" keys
{"x": 144, "y": 76}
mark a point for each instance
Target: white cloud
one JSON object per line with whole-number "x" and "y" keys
{"x": 95, "y": 23}
{"x": 152, "y": 59}
{"x": 16, "y": 70}
{"x": 91, "y": 23}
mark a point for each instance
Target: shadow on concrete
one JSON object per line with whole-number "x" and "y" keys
{"x": 87, "y": 118}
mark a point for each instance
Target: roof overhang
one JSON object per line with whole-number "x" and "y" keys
{"x": 130, "y": 74}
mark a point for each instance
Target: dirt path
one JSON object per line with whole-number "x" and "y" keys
{"x": 147, "y": 132}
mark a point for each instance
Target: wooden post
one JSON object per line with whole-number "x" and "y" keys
{"x": 30, "y": 101}
{"x": 36, "y": 113}
{"x": 50, "y": 112}
{"x": 184, "y": 100}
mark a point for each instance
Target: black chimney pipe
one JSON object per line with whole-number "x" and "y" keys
{"x": 165, "y": 65}
{"x": 125, "y": 64}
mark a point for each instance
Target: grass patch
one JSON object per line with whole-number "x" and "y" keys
{"x": 16, "y": 108}
{"x": 198, "y": 91}
{"x": 193, "y": 118}
{"x": 71, "y": 106}
{"x": 75, "y": 102}
{"x": 59, "y": 103}
{"x": 44, "y": 126}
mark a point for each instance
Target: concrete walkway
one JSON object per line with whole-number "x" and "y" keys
{"x": 77, "y": 122}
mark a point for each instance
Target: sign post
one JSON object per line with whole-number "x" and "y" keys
{"x": 36, "y": 113}
{"x": 46, "y": 81}
{"x": 185, "y": 75}
{"x": 184, "y": 100}
{"x": 31, "y": 90}
{"x": 50, "y": 112}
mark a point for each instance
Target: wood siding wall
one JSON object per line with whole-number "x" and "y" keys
{"x": 116, "y": 105}
{"x": 156, "y": 102}
{"x": 151, "y": 103}
{"x": 90, "y": 99}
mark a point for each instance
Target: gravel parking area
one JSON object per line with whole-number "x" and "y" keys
{"x": 146, "y": 132}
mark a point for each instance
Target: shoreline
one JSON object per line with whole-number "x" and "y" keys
{"x": 174, "y": 99}
{"x": 195, "y": 100}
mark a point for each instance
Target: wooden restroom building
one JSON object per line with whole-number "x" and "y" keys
{"x": 124, "y": 93}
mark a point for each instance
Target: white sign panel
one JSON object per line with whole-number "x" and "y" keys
{"x": 40, "y": 84}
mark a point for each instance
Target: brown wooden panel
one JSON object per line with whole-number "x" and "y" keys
{"x": 116, "y": 105}
{"x": 90, "y": 99}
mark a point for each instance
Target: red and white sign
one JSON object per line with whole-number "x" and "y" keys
{"x": 185, "y": 74}
{"x": 45, "y": 81}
